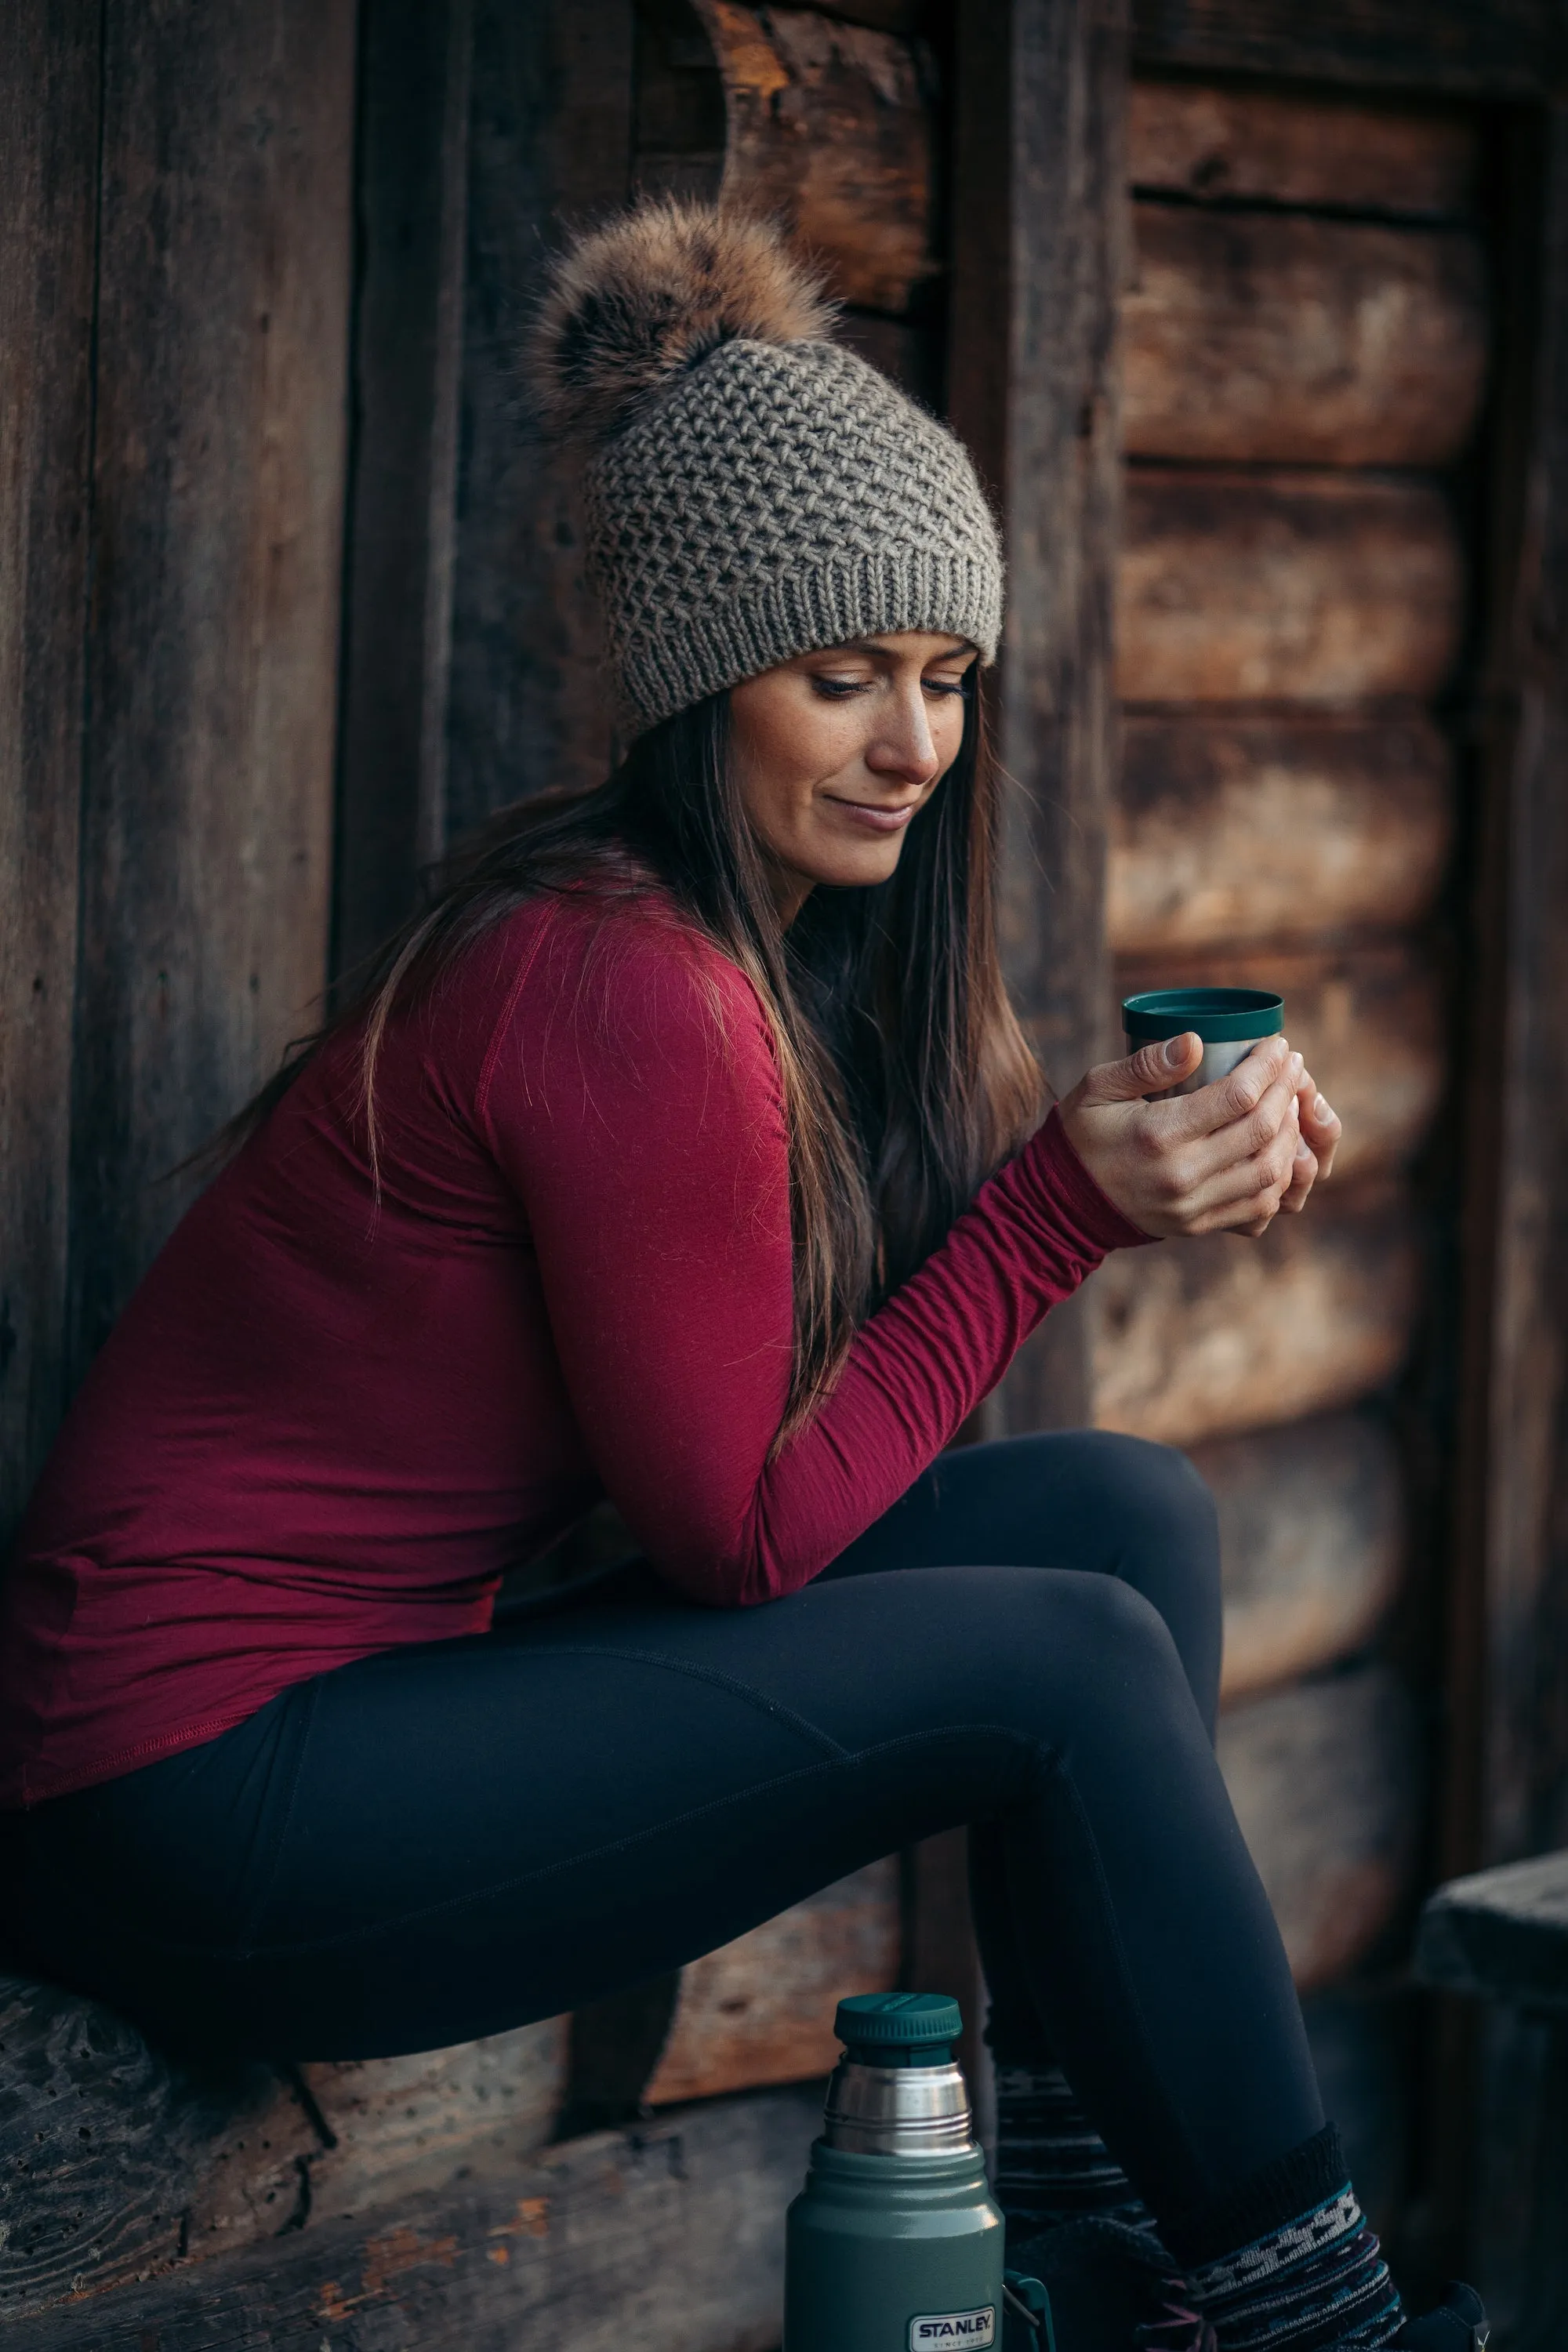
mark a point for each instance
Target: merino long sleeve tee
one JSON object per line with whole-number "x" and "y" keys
{"x": 343, "y": 1402}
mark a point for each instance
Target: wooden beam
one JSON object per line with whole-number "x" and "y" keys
{"x": 410, "y": 207}
{"x": 1272, "y": 338}
{"x": 1292, "y": 829}
{"x": 761, "y": 2009}
{"x": 1301, "y": 586}
{"x": 1490, "y": 48}
{"x": 1219, "y": 1336}
{"x": 217, "y": 518}
{"x": 1502, "y": 1934}
{"x": 832, "y": 130}
{"x": 1038, "y": 208}
{"x": 1327, "y": 1784}
{"x": 551, "y": 145}
{"x": 1215, "y": 143}
{"x": 670, "y": 2235}
{"x": 50, "y": 58}
{"x": 1313, "y": 1528}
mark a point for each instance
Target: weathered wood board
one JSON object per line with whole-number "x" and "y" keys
{"x": 1369, "y": 1021}
{"x": 550, "y": 142}
{"x": 1313, "y": 1530}
{"x": 1496, "y": 49}
{"x": 392, "y": 2125}
{"x": 1268, "y": 337}
{"x": 116, "y": 2161}
{"x": 1209, "y": 1338}
{"x": 49, "y": 90}
{"x": 1302, "y": 587}
{"x": 1216, "y": 144}
{"x": 1502, "y": 1934}
{"x": 411, "y": 204}
{"x": 760, "y": 2010}
{"x": 670, "y": 2237}
{"x": 1034, "y": 375}
{"x": 832, "y": 129}
{"x": 1227, "y": 829}
{"x": 222, "y": 346}
{"x": 1327, "y": 1785}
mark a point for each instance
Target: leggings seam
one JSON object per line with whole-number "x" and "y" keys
{"x": 454, "y": 1902}
{"x": 251, "y": 1917}
{"x": 773, "y": 1708}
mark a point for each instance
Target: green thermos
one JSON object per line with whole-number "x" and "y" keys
{"x": 895, "y": 2244}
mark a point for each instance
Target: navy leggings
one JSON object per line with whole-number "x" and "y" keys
{"x": 442, "y": 1842}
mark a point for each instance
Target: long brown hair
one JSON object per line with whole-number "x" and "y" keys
{"x": 905, "y": 1077}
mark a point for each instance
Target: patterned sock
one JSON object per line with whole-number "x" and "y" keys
{"x": 1315, "y": 2282}
{"x": 1051, "y": 2164}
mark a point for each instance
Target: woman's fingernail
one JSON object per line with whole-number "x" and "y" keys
{"x": 1321, "y": 1110}
{"x": 1175, "y": 1052}
{"x": 1296, "y": 1066}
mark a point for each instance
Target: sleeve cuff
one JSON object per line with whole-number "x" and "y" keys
{"x": 1063, "y": 1175}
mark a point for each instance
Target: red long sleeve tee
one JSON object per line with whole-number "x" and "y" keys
{"x": 328, "y": 1421}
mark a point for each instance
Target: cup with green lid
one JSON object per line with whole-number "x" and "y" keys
{"x": 1229, "y": 1021}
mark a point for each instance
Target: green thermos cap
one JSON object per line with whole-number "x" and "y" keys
{"x": 896, "y": 2023}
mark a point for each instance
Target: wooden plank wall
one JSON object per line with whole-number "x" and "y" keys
{"x": 174, "y": 283}
{"x": 1308, "y": 350}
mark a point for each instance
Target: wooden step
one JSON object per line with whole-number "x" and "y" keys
{"x": 670, "y": 2237}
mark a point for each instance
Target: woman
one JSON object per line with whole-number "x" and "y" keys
{"x": 686, "y": 1151}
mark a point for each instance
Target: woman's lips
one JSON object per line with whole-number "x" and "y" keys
{"x": 874, "y": 819}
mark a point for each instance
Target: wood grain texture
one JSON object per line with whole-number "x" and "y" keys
{"x": 1305, "y": 588}
{"x": 1502, "y": 48}
{"x": 831, "y": 131}
{"x": 1312, "y": 1524}
{"x": 550, "y": 142}
{"x": 411, "y": 205}
{"x": 104, "y": 2144}
{"x": 668, "y": 2236}
{"x": 1033, "y": 388}
{"x": 218, "y": 492}
{"x": 1227, "y": 830}
{"x": 1327, "y": 1785}
{"x": 1526, "y": 1773}
{"x": 1370, "y": 1022}
{"x": 1206, "y": 1339}
{"x": 49, "y": 67}
{"x": 1502, "y": 1934}
{"x": 760, "y": 2010}
{"x": 1217, "y": 143}
{"x": 393, "y": 2125}
{"x": 1267, "y": 336}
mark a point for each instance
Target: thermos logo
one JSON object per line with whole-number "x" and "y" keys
{"x": 954, "y": 2331}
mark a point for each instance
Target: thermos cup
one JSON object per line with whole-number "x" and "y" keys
{"x": 1230, "y": 1021}
{"x": 895, "y": 2244}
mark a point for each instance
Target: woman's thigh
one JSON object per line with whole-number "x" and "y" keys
{"x": 1086, "y": 1499}
{"x": 438, "y": 1843}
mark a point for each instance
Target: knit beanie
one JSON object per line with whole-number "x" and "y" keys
{"x": 754, "y": 490}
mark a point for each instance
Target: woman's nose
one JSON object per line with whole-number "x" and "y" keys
{"x": 903, "y": 745}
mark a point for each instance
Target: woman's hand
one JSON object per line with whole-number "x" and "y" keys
{"x": 1224, "y": 1159}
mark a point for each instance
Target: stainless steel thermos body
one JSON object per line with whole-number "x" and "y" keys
{"x": 895, "y": 2243}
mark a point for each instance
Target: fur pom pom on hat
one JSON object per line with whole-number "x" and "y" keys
{"x": 754, "y": 490}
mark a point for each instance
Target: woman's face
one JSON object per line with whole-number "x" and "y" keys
{"x": 835, "y": 751}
